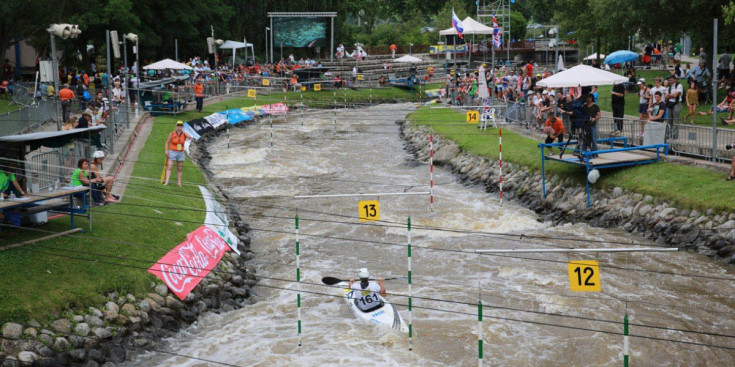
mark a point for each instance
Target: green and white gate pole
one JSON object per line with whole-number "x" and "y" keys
{"x": 625, "y": 341}
{"x": 270, "y": 118}
{"x": 298, "y": 280}
{"x": 410, "y": 300}
{"x": 479, "y": 333}
{"x": 228, "y": 126}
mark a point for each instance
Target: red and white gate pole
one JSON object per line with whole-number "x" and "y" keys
{"x": 500, "y": 161}
{"x": 431, "y": 172}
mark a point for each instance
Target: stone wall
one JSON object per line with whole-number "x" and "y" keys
{"x": 709, "y": 233}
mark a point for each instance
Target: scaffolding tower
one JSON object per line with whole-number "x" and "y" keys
{"x": 501, "y": 8}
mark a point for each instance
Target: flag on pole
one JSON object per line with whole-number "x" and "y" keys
{"x": 497, "y": 35}
{"x": 457, "y": 24}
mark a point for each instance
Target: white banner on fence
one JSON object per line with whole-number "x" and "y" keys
{"x": 217, "y": 220}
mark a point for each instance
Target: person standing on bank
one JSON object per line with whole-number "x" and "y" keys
{"x": 366, "y": 292}
{"x": 199, "y": 94}
{"x": 674, "y": 95}
{"x": 175, "y": 151}
{"x": 618, "y": 107}
{"x": 593, "y": 112}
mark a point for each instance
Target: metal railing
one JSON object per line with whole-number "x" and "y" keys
{"x": 27, "y": 118}
{"x": 23, "y": 94}
{"x": 47, "y": 169}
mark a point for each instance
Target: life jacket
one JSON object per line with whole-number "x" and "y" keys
{"x": 177, "y": 141}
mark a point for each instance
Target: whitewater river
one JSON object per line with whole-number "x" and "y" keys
{"x": 364, "y": 153}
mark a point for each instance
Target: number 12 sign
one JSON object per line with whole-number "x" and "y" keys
{"x": 584, "y": 275}
{"x": 368, "y": 210}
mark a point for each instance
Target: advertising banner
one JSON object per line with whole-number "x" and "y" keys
{"x": 276, "y": 108}
{"x": 217, "y": 219}
{"x": 182, "y": 268}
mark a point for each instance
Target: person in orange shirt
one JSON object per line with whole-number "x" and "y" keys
{"x": 175, "y": 151}
{"x": 66, "y": 96}
{"x": 554, "y": 130}
{"x": 199, "y": 94}
{"x": 393, "y": 49}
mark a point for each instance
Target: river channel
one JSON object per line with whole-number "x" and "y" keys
{"x": 531, "y": 317}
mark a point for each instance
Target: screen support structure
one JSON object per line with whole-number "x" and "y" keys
{"x": 329, "y": 14}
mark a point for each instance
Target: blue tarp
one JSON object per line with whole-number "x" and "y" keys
{"x": 236, "y": 115}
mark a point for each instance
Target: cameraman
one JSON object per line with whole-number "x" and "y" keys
{"x": 554, "y": 130}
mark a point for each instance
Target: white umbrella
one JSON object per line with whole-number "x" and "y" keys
{"x": 594, "y": 56}
{"x": 482, "y": 82}
{"x": 167, "y": 64}
{"x": 408, "y": 59}
{"x": 581, "y": 75}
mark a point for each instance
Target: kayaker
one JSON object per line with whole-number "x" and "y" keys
{"x": 367, "y": 299}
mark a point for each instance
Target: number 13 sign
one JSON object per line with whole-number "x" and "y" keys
{"x": 584, "y": 275}
{"x": 368, "y": 210}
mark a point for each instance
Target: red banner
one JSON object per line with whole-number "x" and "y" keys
{"x": 188, "y": 263}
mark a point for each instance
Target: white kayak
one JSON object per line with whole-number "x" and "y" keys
{"x": 386, "y": 315}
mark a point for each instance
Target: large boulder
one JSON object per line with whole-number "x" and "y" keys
{"x": 12, "y": 331}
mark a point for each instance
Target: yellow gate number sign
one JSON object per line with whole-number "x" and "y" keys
{"x": 266, "y": 82}
{"x": 473, "y": 117}
{"x": 359, "y": 76}
{"x": 317, "y": 87}
{"x": 584, "y": 275}
{"x": 368, "y": 210}
{"x": 252, "y": 93}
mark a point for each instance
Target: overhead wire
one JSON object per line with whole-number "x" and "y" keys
{"x": 489, "y": 305}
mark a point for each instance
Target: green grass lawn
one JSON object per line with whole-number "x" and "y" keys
{"x": 688, "y": 186}
{"x": 7, "y": 106}
{"x": 38, "y": 283}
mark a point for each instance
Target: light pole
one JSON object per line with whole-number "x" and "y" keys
{"x": 132, "y": 37}
{"x": 555, "y": 32}
{"x": 266, "y": 44}
{"x": 410, "y": 45}
{"x": 62, "y": 31}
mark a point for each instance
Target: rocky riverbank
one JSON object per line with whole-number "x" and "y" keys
{"x": 127, "y": 324}
{"x": 709, "y": 233}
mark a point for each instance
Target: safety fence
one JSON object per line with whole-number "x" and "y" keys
{"x": 52, "y": 169}
{"x": 23, "y": 94}
{"x": 683, "y": 139}
{"x": 27, "y": 118}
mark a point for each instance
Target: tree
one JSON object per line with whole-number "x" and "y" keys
{"x": 518, "y": 25}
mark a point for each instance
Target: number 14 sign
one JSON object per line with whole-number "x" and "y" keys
{"x": 584, "y": 275}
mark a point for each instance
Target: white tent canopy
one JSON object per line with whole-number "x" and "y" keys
{"x": 581, "y": 75}
{"x": 167, "y": 64}
{"x": 470, "y": 26}
{"x": 408, "y": 59}
{"x": 594, "y": 56}
{"x": 233, "y": 45}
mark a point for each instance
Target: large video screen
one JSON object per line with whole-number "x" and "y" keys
{"x": 299, "y": 32}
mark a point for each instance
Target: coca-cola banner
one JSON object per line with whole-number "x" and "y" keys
{"x": 188, "y": 263}
{"x": 275, "y": 109}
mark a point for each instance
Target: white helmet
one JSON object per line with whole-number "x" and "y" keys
{"x": 363, "y": 273}
{"x": 98, "y": 154}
